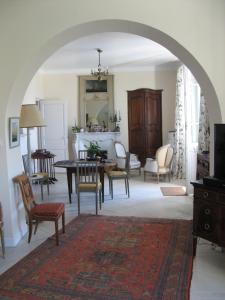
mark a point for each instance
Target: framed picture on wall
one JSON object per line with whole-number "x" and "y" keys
{"x": 96, "y": 86}
{"x": 14, "y": 132}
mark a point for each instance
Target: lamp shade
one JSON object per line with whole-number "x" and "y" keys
{"x": 30, "y": 116}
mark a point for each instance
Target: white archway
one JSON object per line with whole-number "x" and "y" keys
{"x": 33, "y": 64}
{"x": 119, "y": 26}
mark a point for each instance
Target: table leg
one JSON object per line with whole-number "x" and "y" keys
{"x": 195, "y": 240}
{"x": 102, "y": 173}
{"x": 42, "y": 194}
{"x": 69, "y": 183}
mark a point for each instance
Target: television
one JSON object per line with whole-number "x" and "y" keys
{"x": 219, "y": 151}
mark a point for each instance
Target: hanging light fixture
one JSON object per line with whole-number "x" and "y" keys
{"x": 100, "y": 70}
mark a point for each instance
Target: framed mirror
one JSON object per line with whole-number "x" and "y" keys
{"x": 96, "y": 101}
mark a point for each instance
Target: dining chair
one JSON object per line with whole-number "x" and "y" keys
{"x": 161, "y": 165}
{"x": 118, "y": 175}
{"x": 87, "y": 180}
{"x": 121, "y": 157}
{"x": 2, "y": 231}
{"x": 39, "y": 212}
{"x": 82, "y": 154}
{"x": 39, "y": 177}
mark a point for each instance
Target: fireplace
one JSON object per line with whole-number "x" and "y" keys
{"x": 105, "y": 140}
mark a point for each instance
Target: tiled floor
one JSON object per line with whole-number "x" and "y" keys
{"x": 146, "y": 200}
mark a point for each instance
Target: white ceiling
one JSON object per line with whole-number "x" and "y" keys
{"x": 121, "y": 52}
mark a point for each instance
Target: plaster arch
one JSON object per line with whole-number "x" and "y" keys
{"x": 101, "y": 26}
{"x": 60, "y": 39}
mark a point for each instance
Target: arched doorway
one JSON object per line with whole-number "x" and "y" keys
{"x": 64, "y": 37}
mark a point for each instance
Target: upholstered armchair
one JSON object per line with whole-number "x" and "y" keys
{"x": 125, "y": 160}
{"x": 161, "y": 165}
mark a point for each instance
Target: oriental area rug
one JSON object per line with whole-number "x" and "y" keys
{"x": 107, "y": 258}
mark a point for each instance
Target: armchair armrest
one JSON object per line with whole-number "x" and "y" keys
{"x": 133, "y": 156}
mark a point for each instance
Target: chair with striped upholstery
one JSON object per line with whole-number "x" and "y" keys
{"x": 87, "y": 180}
{"x": 118, "y": 175}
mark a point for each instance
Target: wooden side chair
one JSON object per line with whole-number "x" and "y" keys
{"x": 118, "y": 175}
{"x": 39, "y": 212}
{"x": 87, "y": 180}
{"x": 82, "y": 154}
{"x": 2, "y": 231}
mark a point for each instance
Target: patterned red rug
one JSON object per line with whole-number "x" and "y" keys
{"x": 110, "y": 258}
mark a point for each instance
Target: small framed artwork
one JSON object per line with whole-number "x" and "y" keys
{"x": 14, "y": 132}
{"x": 96, "y": 86}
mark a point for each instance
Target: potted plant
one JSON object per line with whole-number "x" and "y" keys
{"x": 93, "y": 150}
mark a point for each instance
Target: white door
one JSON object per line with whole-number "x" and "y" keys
{"x": 54, "y": 137}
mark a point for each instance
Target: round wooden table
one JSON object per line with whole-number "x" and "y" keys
{"x": 70, "y": 166}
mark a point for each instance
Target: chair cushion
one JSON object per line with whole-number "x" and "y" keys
{"x": 44, "y": 174}
{"x": 48, "y": 209}
{"x": 135, "y": 164}
{"x": 164, "y": 170}
{"x": 89, "y": 186}
{"x": 151, "y": 165}
{"x": 117, "y": 174}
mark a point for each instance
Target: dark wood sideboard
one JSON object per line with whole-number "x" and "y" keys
{"x": 208, "y": 214}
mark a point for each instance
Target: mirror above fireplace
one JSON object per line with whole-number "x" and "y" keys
{"x": 96, "y": 101}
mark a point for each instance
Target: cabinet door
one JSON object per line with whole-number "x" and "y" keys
{"x": 221, "y": 225}
{"x": 136, "y": 110}
{"x": 205, "y": 220}
{"x": 153, "y": 123}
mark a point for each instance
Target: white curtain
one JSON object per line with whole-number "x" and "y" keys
{"x": 186, "y": 124}
{"x": 204, "y": 127}
{"x": 179, "y": 165}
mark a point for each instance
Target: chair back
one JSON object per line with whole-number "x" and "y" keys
{"x": 87, "y": 174}
{"x": 25, "y": 164}
{"x": 82, "y": 154}
{"x": 161, "y": 154}
{"x": 169, "y": 157}
{"x": 120, "y": 150}
{"x": 26, "y": 191}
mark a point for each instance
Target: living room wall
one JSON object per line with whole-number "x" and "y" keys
{"x": 65, "y": 87}
{"x": 26, "y": 42}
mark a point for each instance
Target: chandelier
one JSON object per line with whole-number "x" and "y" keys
{"x": 100, "y": 70}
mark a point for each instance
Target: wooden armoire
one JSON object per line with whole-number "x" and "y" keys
{"x": 144, "y": 122}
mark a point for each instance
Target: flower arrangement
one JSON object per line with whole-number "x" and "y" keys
{"x": 93, "y": 149}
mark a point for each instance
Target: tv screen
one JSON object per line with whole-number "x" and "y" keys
{"x": 219, "y": 151}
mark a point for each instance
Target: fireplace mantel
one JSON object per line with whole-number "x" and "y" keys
{"x": 104, "y": 139}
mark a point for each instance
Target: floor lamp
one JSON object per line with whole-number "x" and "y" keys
{"x": 30, "y": 117}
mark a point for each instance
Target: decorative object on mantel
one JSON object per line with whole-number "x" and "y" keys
{"x": 75, "y": 128}
{"x": 115, "y": 118}
{"x": 101, "y": 71}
